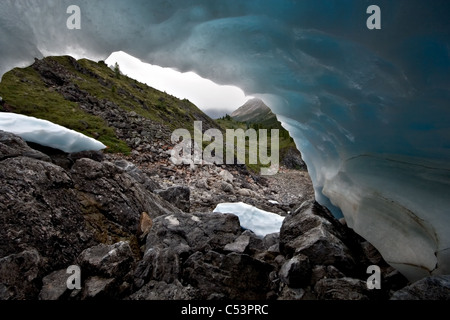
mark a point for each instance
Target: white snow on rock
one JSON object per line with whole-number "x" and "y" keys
{"x": 259, "y": 221}
{"x": 47, "y": 133}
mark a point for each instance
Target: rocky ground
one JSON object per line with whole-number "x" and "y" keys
{"x": 140, "y": 228}
{"x": 210, "y": 185}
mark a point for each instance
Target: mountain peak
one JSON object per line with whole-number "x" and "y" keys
{"x": 253, "y": 110}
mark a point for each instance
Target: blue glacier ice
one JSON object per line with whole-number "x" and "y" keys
{"x": 369, "y": 109}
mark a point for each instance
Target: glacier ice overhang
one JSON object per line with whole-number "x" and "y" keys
{"x": 369, "y": 109}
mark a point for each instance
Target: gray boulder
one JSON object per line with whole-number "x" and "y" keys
{"x": 319, "y": 272}
{"x": 114, "y": 260}
{"x": 240, "y": 245}
{"x": 248, "y": 242}
{"x": 108, "y": 269}
{"x": 322, "y": 247}
{"x": 109, "y": 189}
{"x": 205, "y": 251}
{"x": 308, "y": 233}
{"x": 179, "y": 196}
{"x": 160, "y": 264}
{"x": 292, "y": 159}
{"x": 62, "y": 212}
{"x": 429, "y": 288}
{"x": 232, "y": 276}
{"x": 54, "y": 286}
{"x": 199, "y": 231}
{"x": 19, "y": 275}
{"x": 341, "y": 289}
{"x": 40, "y": 210}
{"x": 137, "y": 174}
{"x": 174, "y": 237}
{"x": 99, "y": 288}
{"x": 296, "y": 272}
{"x": 12, "y": 146}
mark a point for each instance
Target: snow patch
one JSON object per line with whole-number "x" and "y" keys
{"x": 259, "y": 221}
{"x": 47, "y": 133}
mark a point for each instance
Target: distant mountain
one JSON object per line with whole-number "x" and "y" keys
{"x": 254, "y": 111}
{"x": 257, "y": 115}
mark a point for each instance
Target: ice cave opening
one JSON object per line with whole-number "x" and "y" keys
{"x": 367, "y": 108}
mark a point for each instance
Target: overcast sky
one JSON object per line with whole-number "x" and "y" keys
{"x": 213, "y": 99}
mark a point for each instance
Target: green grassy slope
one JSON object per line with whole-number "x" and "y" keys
{"x": 26, "y": 91}
{"x": 286, "y": 142}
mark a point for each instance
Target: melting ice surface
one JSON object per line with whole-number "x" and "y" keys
{"x": 259, "y": 221}
{"x": 369, "y": 109}
{"x": 47, "y": 133}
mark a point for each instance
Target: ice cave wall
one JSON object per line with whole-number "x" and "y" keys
{"x": 369, "y": 109}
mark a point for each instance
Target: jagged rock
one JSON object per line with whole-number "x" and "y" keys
{"x": 66, "y": 213}
{"x": 160, "y": 290}
{"x": 248, "y": 242}
{"x": 296, "y": 271}
{"x": 191, "y": 248}
{"x": 173, "y": 238}
{"x": 306, "y": 232}
{"x": 54, "y": 286}
{"x": 107, "y": 260}
{"x": 232, "y": 276}
{"x": 302, "y": 220}
{"x": 40, "y": 209}
{"x": 160, "y": 264}
{"x": 312, "y": 231}
{"x": 19, "y": 275}
{"x": 341, "y": 289}
{"x": 178, "y": 196}
{"x": 322, "y": 247}
{"x": 240, "y": 245}
{"x": 256, "y": 244}
{"x": 288, "y": 293}
{"x": 12, "y": 146}
{"x": 429, "y": 288}
{"x": 271, "y": 242}
{"x": 292, "y": 159}
{"x": 319, "y": 272}
{"x": 200, "y": 231}
{"x": 111, "y": 190}
{"x": 98, "y": 288}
